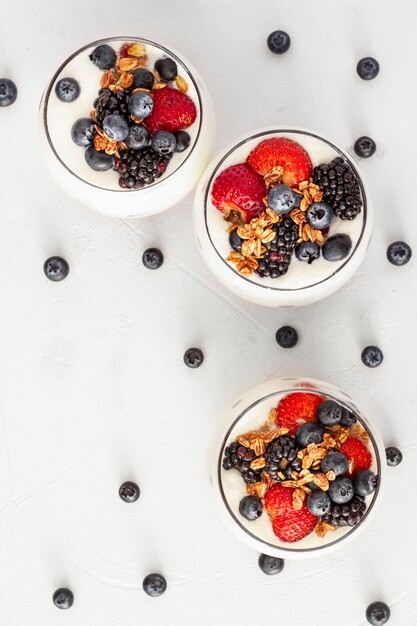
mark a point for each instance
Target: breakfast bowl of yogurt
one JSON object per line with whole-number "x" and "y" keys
{"x": 127, "y": 126}
{"x": 282, "y": 217}
{"x": 298, "y": 468}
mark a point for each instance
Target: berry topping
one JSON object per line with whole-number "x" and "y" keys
{"x": 282, "y": 199}
{"x": 167, "y": 69}
{"x": 364, "y": 147}
{"x": 399, "y": 253}
{"x": 129, "y": 491}
{"x": 163, "y": 142}
{"x": 394, "y": 456}
{"x": 278, "y": 500}
{"x": 335, "y": 462}
{"x": 348, "y": 514}
{"x": 278, "y": 41}
{"x": 8, "y": 92}
{"x": 142, "y": 78}
{"x": 82, "y": 132}
{"x": 152, "y": 258}
{"x": 116, "y": 127}
{"x": 347, "y": 419}
{"x": 140, "y": 104}
{"x": 182, "y": 139}
{"x": 307, "y": 251}
{"x": 378, "y": 613}
{"x": 109, "y": 102}
{"x": 56, "y": 268}
{"x": 238, "y": 193}
{"x": 138, "y": 137}
{"x": 277, "y": 258}
{"x": 281, "y": 458}
{"x": 63, "y": 598}
{"x": 319, "y": 215}
{"x": 250, "y": 507}
{"x": 372, "y": 356}
{"x": 367, "y": 68}
{"x": 172, "y": 111}
{"x": 308, "y": 433}
{"x": 341, "y": 490}
{"x": 319, "y": 503}
{"x": 294, "y": 525}
{"x": 67, "y": 89}
{"x": 140, "y": 167}
{"x": 365, "y": 482}
{"x": 296, "y": 409}
{"x": 340, "y": 187}
{"x": 193, "y": 357}
{"x": 329, "y": 413}
{"x": 281, "y": 152}
{"x": 235, "y": 241}
{"x": 270, "y": 565}
{"x": 154, "y": 585}
{"x": 355, "y": 449}
{"x": 103, "y": 56}
{"x": 239, "y": 457}
{"x": 286, "y": 336}
{"x": 99, "y": 161}
{"x": 336, "y": 248}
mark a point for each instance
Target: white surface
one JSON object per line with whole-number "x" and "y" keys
{"x": 93, "y": 387}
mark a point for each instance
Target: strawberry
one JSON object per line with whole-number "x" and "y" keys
{"x": 283, "y": 152}
{"x": 172, "y": 111}
{"x": 296, "y": 409}
{"x": 294, "y": 525}
{"x": 238, "y": 193}
{"x": 278, "y": 500}
{"x": 355, "y": 449}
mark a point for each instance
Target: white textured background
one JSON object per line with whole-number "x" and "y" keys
{"x": 93, "y": 388}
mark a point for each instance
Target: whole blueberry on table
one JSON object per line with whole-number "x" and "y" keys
{"x": 399, "y": 253}
{"x": 307, "y": 251}
{"x": 286, "y": 336}
{"x": 138, "y": 137}
{"x": 98, "y": 160}
{"x": 329, "y": 413}
{"x": 336, "y": 248}
{"x": 270, "y": 565}
{"x": 8, "y": 92}
{"x": 336, "y": 462}
{"x": 56, "y": 268}
{"x": 278, "y": 41}
{"x": 365, "y": 482}
{"x": 193, "y": 357}
{"x": 394, "y": 456}
{"x": 103, "y": 56}
{"x": 281, "y": 199}
{"x": 140, "y": 104}
{"x": 341, "y": 490}
{"x": 319, "y": 215}
{"x": 309, "y": 433}
{"x": 116, "y": 127}
{"x": 235, "y": 241}
{"x": 154, "y": 585}
{"x": 367, "y": 68}
{"x": 167, "y": 69}
{"x": 142, "y": 78}
{"x": 250, "y": 507}
{"x": 152, "y": 258}
{"x": 364, "y": 147}
{"x": 83, "y": 131}
{"x": 63, "y": 598}
{"x": 182, "y": 139}
{"x": 129, "y": 491}
{"x": 67, "y": 89}
{"x": 372, "y": 356}
{"x": 319, "y": 503}
{"x": 378, "y": 613}
{"x": 164, "y": 142}
{"x": 347, "y": 419}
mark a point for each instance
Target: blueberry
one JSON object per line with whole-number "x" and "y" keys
{"x": 336, "y": 462}
{"x": 364, "y": 147}
{"x": 394, "y": 456}
{"x": 399, "y": 253}
{"x": 378, "y": 613}
{"x": 138, "y": 137}
{"x": 129, "y": 491}
{"x": 365, "y": 482}
{"x": 183, "y": 140}
{"x": 8, "y": 92}
{"x": 167, "y": 69}
{"x": 309, "y": 433}
{"x": 319, "y": 503}
{"x": 56, "y": 268}
{"x": 337, "y": 247}
{"x": 152, "y": 258}
{"x": 347, "y": 419}
{"x": 367, "y": 68}
{"x": 270, "y": 564}
{"x": 235, "y": 241}
{"x": 319, "y": 215}
{"x": 103, "y": 56}
{"x": 250, "y": 507}
{"x": 329, "y": 413}
{"x": 278, "y": 42}
{"x": 307, "y": 251}
{"x": 63, "y": 598}
{"x": 286, "y": 337}
{"x": 142, "y": 78}
{"x": 341, "y": 490}
{"x": 99, "y": 161}
{"x": 82, "y": 132}
{"x": 193, "y": 357}
{"x": 281, "y": 199}
{"x": 140, "y": 104}
{"x": 372, "y": 356}
{"x": 163, "y": 142}
{"x": 154, "y": 585}
{"x": 67, "y": 89}
{"x": 116, "y": 127}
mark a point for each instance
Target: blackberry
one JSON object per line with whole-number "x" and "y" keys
{"x": 348, "y": 514}
{"x": 277, "y": 258}
{"x": 240, "y": 458}
{"x": 340, "y": 188}
{"x": 109, "y": 102}
{"x": 140, "y": 167}
{"x": 281, "y": 457}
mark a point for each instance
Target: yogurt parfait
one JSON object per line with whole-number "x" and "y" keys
{"x": 128, "y": 126}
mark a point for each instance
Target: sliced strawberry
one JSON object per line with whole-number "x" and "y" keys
{"x": 172, "y": 111}
{"x": 355, "y": 449}
{"x": 296, "y": 409}
{"x": 278, "y": 500}
{"x": 238, "y": 193}
{"x": 294, "y": 525}
{"x": 285, "y": 153}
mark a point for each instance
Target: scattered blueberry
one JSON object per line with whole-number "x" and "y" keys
{"x": 281, "y": 199}
{"x": 319, "y": 503}
{"x": 270, "y": 564}
{"x": 235, "y": 241}
{"x": 278, "y": 42}
{"x": 309, "y": 433}
{"x": 347, "y": 419}
{"x": 319, "y": 215}
{"x": 365, "y": 482}
{"x": 8, "y": 92}
{"x": 378, "y": 613}
{"x": 56, "y": 268}
{"x": 364, "y": 147}
{"x": 103, "y": 56}
{"x": 329, "y": 413}
{"x": 63, "y": 598}
{"x": 67, "y": 89}
{"x": 82, "y": 132}
{"x": 399, "y": 253}
{"x": 163, "y": 142}
{"x": 337, "y": 247}
{"x": 167, "y": 69}
{"x": 193, "y": 357}
{"x": 138, "y": 137}
{"x": 142, "y": 78}
{"x": 154, "y": 585}
{"x": 183, "y": 140}
{"x": 307, "y": 251}
{"x": 286, "y": 337}
{"x": 336, "y": 462}
{"x": 367, "y": 68}
{"x": 250, "y": 507}
{"x": 341, "y": 490}
{"x": 372, "y": 356}
{"x": 98, "y": 160}
{"x": 129, "y": 491}
{"x": 152, "y": 258}
{"x": 140, "y": 104}
{"x": 116, "y": 127}
{"x": 394, "y": 456}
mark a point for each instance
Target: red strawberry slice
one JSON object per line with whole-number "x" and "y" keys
{"x": 294, "y": 525}
{"x": 355, "y": 449}
{"x": 283, "y": 152}
{"x": 172, "y": 111}
{"x": 238, "y": 193}
{"x": 296, "y": 409}
{"x": 278, "y": 500}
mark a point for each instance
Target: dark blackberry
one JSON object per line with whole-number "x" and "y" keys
{"x": 340, "y": 188}
{"x": 281, "y": 458}
{"x": 277, "y": 258}
{"x": 140, "y": 167}
{"x": 348, "y": 514}
{"x": 240, "y": 458}
{"x": 109, "y": 102}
